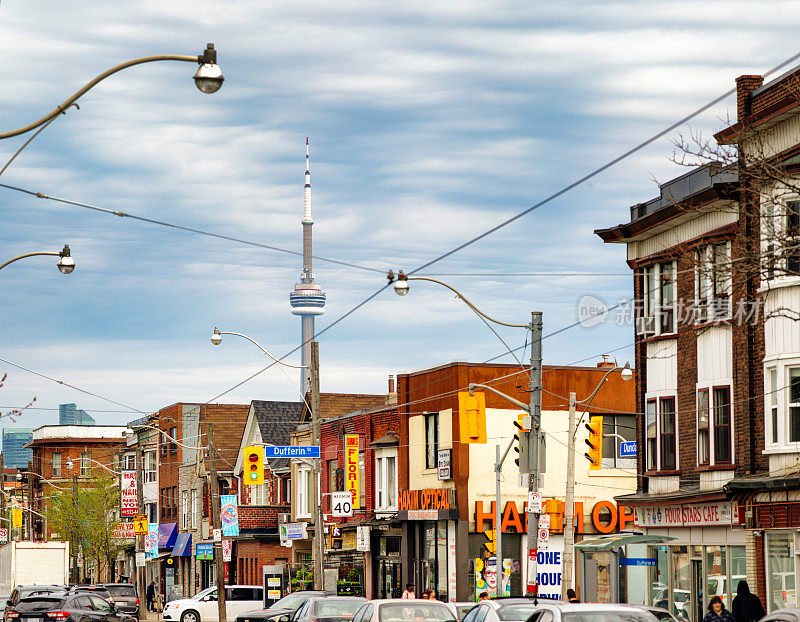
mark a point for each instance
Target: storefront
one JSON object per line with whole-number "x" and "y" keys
{"x": 704, "y": 556}
{"x": 204, "y": 554}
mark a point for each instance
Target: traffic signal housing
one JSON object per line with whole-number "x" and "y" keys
{"x": 595, "y": 442}
{"x": 253, "y": 465}
{"x": 522, "y": 438}
{"x": 472, "y": 417}
{"x": 555, "y": 509}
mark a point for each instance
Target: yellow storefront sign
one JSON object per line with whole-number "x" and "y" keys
{"x": 351, "y": 467}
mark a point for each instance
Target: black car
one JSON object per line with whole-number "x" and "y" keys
{"x": 327, "y": 609}
{"x": 286, "y": 605}
{"x": 65, "y": 607}
{"x": 23, "y": 591}
{"x": 126, "y": 599}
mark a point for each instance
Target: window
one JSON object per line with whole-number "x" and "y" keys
{"x": 703, "y": 451}
{"x": 652, "y": 453}
{"x": 130, "y": 462}
{"x": 662, "y": 446}
{"x": 149, "y": 467}
{"x": 287, "y": 490}
{"x": 713, "y": 282}
{"x": 185, "y": 509}
{"x": 659, "y": 290}
{"x": 386, "y": 479}
{"x": 431, "y": 440}
{"x": 667, "y": 432}
{"x": 333, "y": 480}
{"x": 722, "y": 424}
{"x": 86, "y": 466}
{"x": 173, "y": 447}
{"x": 258, "y": 494}
{"x": 621, "y": 425}
{"x": 195, "y": 519}
{"x": 304, "y": 492}
{"x": 794, "y": 404}
{"x": 56, "y": 464}
{"x": 151, "y": 509}
{"x": 163, "y": 443}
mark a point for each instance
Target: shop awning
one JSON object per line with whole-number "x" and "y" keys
{"x": 615, "y": 541}
{"x": 183, "y": 545}
{"x": 167, "y": 532}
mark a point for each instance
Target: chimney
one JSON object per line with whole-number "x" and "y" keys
{"x": 744, "y": 103}
{"x": 606, "y": 363}
{"x": 391, "y": 397}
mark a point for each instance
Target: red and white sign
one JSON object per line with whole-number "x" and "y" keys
{"x": 686, "y": 515}
{"x": 3, "y": 534}
{"x": 544, "y": 534}
{"x": 351, "y": 483}
{"x": 124, "y": 531}
{"x": 226, "y": 550}
{"x": 127, "y": 484}
{"x": 423, "y": 515}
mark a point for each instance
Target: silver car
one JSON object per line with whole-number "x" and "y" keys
{"x": 512, "y": 609}
{"x": 404, "y": 610}
{"x": 579, "y": 612}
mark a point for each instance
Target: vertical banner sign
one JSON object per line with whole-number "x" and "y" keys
{"x": 127, "y": 484}
{"x": 151, "y": 541}
{"x": 16, "y": 517}
{"x": 230, "y": 515}
{"x": 351, "y": 467}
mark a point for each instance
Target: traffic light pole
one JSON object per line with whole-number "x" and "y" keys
{"x": 534, "y": 440}
{"x": 569, "y": 504}
{"x": 319, "y": 521}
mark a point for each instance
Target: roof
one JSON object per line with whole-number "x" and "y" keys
{"x": 615, "y": 541}
{"x": 276, "y": 422}
{"x": 763, "y": 483}
{"x": 79, "y": 433}
{"x": 337, "y": 404}
{"x": 682, "y": 495}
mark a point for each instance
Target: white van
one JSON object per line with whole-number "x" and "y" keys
{"x": 203, "y": 606}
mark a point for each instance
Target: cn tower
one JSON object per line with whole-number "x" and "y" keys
{"x": 307, "y": 299}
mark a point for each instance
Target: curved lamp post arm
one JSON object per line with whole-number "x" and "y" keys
{"x": 403, "y": 277}
{"x": 589, "y": 399}
{"x": 473, "y": 386}
{"x": 257, "y": 345}
{"x": 27, "y": 255}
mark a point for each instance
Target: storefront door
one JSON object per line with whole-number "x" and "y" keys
{"x": 697, "y": 593}
{"x": 389, "y": 579}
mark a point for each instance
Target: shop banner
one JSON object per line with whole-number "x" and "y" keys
{"x": 151, "y": 541}
{"x": 686, "y": 515}
{"x": 230, "y": 515}
{"x": 351, "y": 467}
{"x": 127, "y": 486}
{"x": 123, "y": 531}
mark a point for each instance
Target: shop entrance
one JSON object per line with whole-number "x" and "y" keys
{"x": 697, "y": 591}
{"x": 389, "y": 579}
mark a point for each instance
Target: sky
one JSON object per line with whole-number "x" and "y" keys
{"x": 429, "y": 123}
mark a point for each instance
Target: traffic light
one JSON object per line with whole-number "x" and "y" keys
{"x": 253, "y": 465}
{"x": 522, "y": 438}
{"x": 595, "y": 442}
{"x": 472, "y": 417}
{"x": 555, "y": 509}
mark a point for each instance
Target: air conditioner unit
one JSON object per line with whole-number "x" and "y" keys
{"x": 284, "y": 517}
{"x": 646, "y": 325}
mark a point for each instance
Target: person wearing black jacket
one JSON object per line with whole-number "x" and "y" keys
{"x": 747, "y": 606}
{"x": 717, "y": 611}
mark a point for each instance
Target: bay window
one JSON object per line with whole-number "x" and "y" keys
{"x": 659, "y": 290}
{"x": 703, "y": 446}
{"x": 782, "y": 404}
{"x": 386, "y": 479}
{"x": 662, "y": 440}
{"x": 652, "y": 454}
{"x": 712, "y": 282}
{"x": 722, "y": 424}
{"x": 714, "y": 425}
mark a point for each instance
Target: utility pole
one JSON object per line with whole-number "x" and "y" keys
{"x": 498, "y": 523}
{"x": 30, "y": 500}
{"x": 3, "y": 494}
{"x": 75, "y": 577}
{"x": 140, "y": 581}
{"x": 534, "y": 443}
{"x": 217, "y": 524}
{"x": 319, "y": 521}
{"x": 569, "y": 504}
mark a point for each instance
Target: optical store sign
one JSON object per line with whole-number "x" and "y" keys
{"x": 686, "y": 515}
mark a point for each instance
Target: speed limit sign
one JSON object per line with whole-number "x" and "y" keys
{"x": 341, "y": 504}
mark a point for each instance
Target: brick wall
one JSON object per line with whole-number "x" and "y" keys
{"x": 251, "y": 555}
{"x": 687, "y": 377}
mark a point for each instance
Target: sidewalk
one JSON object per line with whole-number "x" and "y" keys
{"x": 152, "y": 616}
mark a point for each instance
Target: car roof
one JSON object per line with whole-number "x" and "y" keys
{"x": 383, "y": 601}
{"x": 566, "y": 606}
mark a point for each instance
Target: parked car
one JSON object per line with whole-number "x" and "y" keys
{"x": 126, "y": 599}
{"x": 586, "y": 612}
{"x": 326, "y": 609}
{"x": 23, "y": 591}
{"x": 288, "y": 604}
{"x": 397, "y": 610}
{"x": 460, "y": 609}
{"x": 71, "y": 606}
{"x": 98, "y": 590}
{"x": 516, "y": 609}
{"x": 661, "y": 614}
{"x": 202, "y": 607}
{"x": 782, "y": 615}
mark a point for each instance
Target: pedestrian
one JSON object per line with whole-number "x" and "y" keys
{"x": 150, "y": 596}
{"x": 572, "y": 597}
{"x": 432, "y": 595}
{"x": 409, "y": 591}
{"x": 484, "y": 596}
{"x": 747, "y": 606}
{"x": 717, "y": 612}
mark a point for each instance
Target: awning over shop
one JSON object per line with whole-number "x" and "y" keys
{"x": 167, "y": 532}
{"x": 615, "y": 541}
{"x": 183, "y": 545}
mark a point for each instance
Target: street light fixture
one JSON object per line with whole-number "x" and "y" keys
{"x": 208, "y": 79}
{"x": 66, "y": 263}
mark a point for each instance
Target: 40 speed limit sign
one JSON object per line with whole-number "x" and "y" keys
{"x": 341, "y": 504}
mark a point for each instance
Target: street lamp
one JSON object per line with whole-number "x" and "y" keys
{"x": 70, "y": 464}
{"x": 208, "y": 78}
{"x": 65, "y": 265}
{"x": 626, "y": 373}
{"x": 533, "y": 408}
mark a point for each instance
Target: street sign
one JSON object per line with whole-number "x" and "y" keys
{"x": 291, "y": 451}
{"x": 637, "y": 561}
{"x": 535, "y": 502}
{"x": 217, "y": 535}
{"x": 627, "y": 449}
{"x": 226, "y": 550}
{"x": 544, "y": 535}
{"x": 140, "y": 560}
{"x": 3, "y": 534}
{"x": 544, "y": 521}
{"x": 293, "y": 531}
{"x": 341, "y": 504}
{"x": 140, "y": 525}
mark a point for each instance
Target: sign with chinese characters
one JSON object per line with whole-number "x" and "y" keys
{"x": 685, "y": 515}
{"x": 127, "y": 484}
{"x": 444, "y": 463}
{"x": 229, "y": 513}
{"x": 351, "y": 483}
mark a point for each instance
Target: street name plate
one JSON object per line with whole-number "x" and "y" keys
{"x": 292, "y": 451}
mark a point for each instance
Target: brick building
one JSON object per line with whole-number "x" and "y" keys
{"x": 717, "y": 297}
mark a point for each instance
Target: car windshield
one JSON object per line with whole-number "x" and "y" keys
{"x": 205, "y": 592}
{"x": 36, "y": 589}
{"x": 607, "y": 616}
{"x": 291, "y": 601}
{"x": 38, "y": 604}
{"x": 337, "y": 608}
{"x": 516, "y": 612}
{"x": 122, "y": 590}
{"x": 399, "y": 612}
